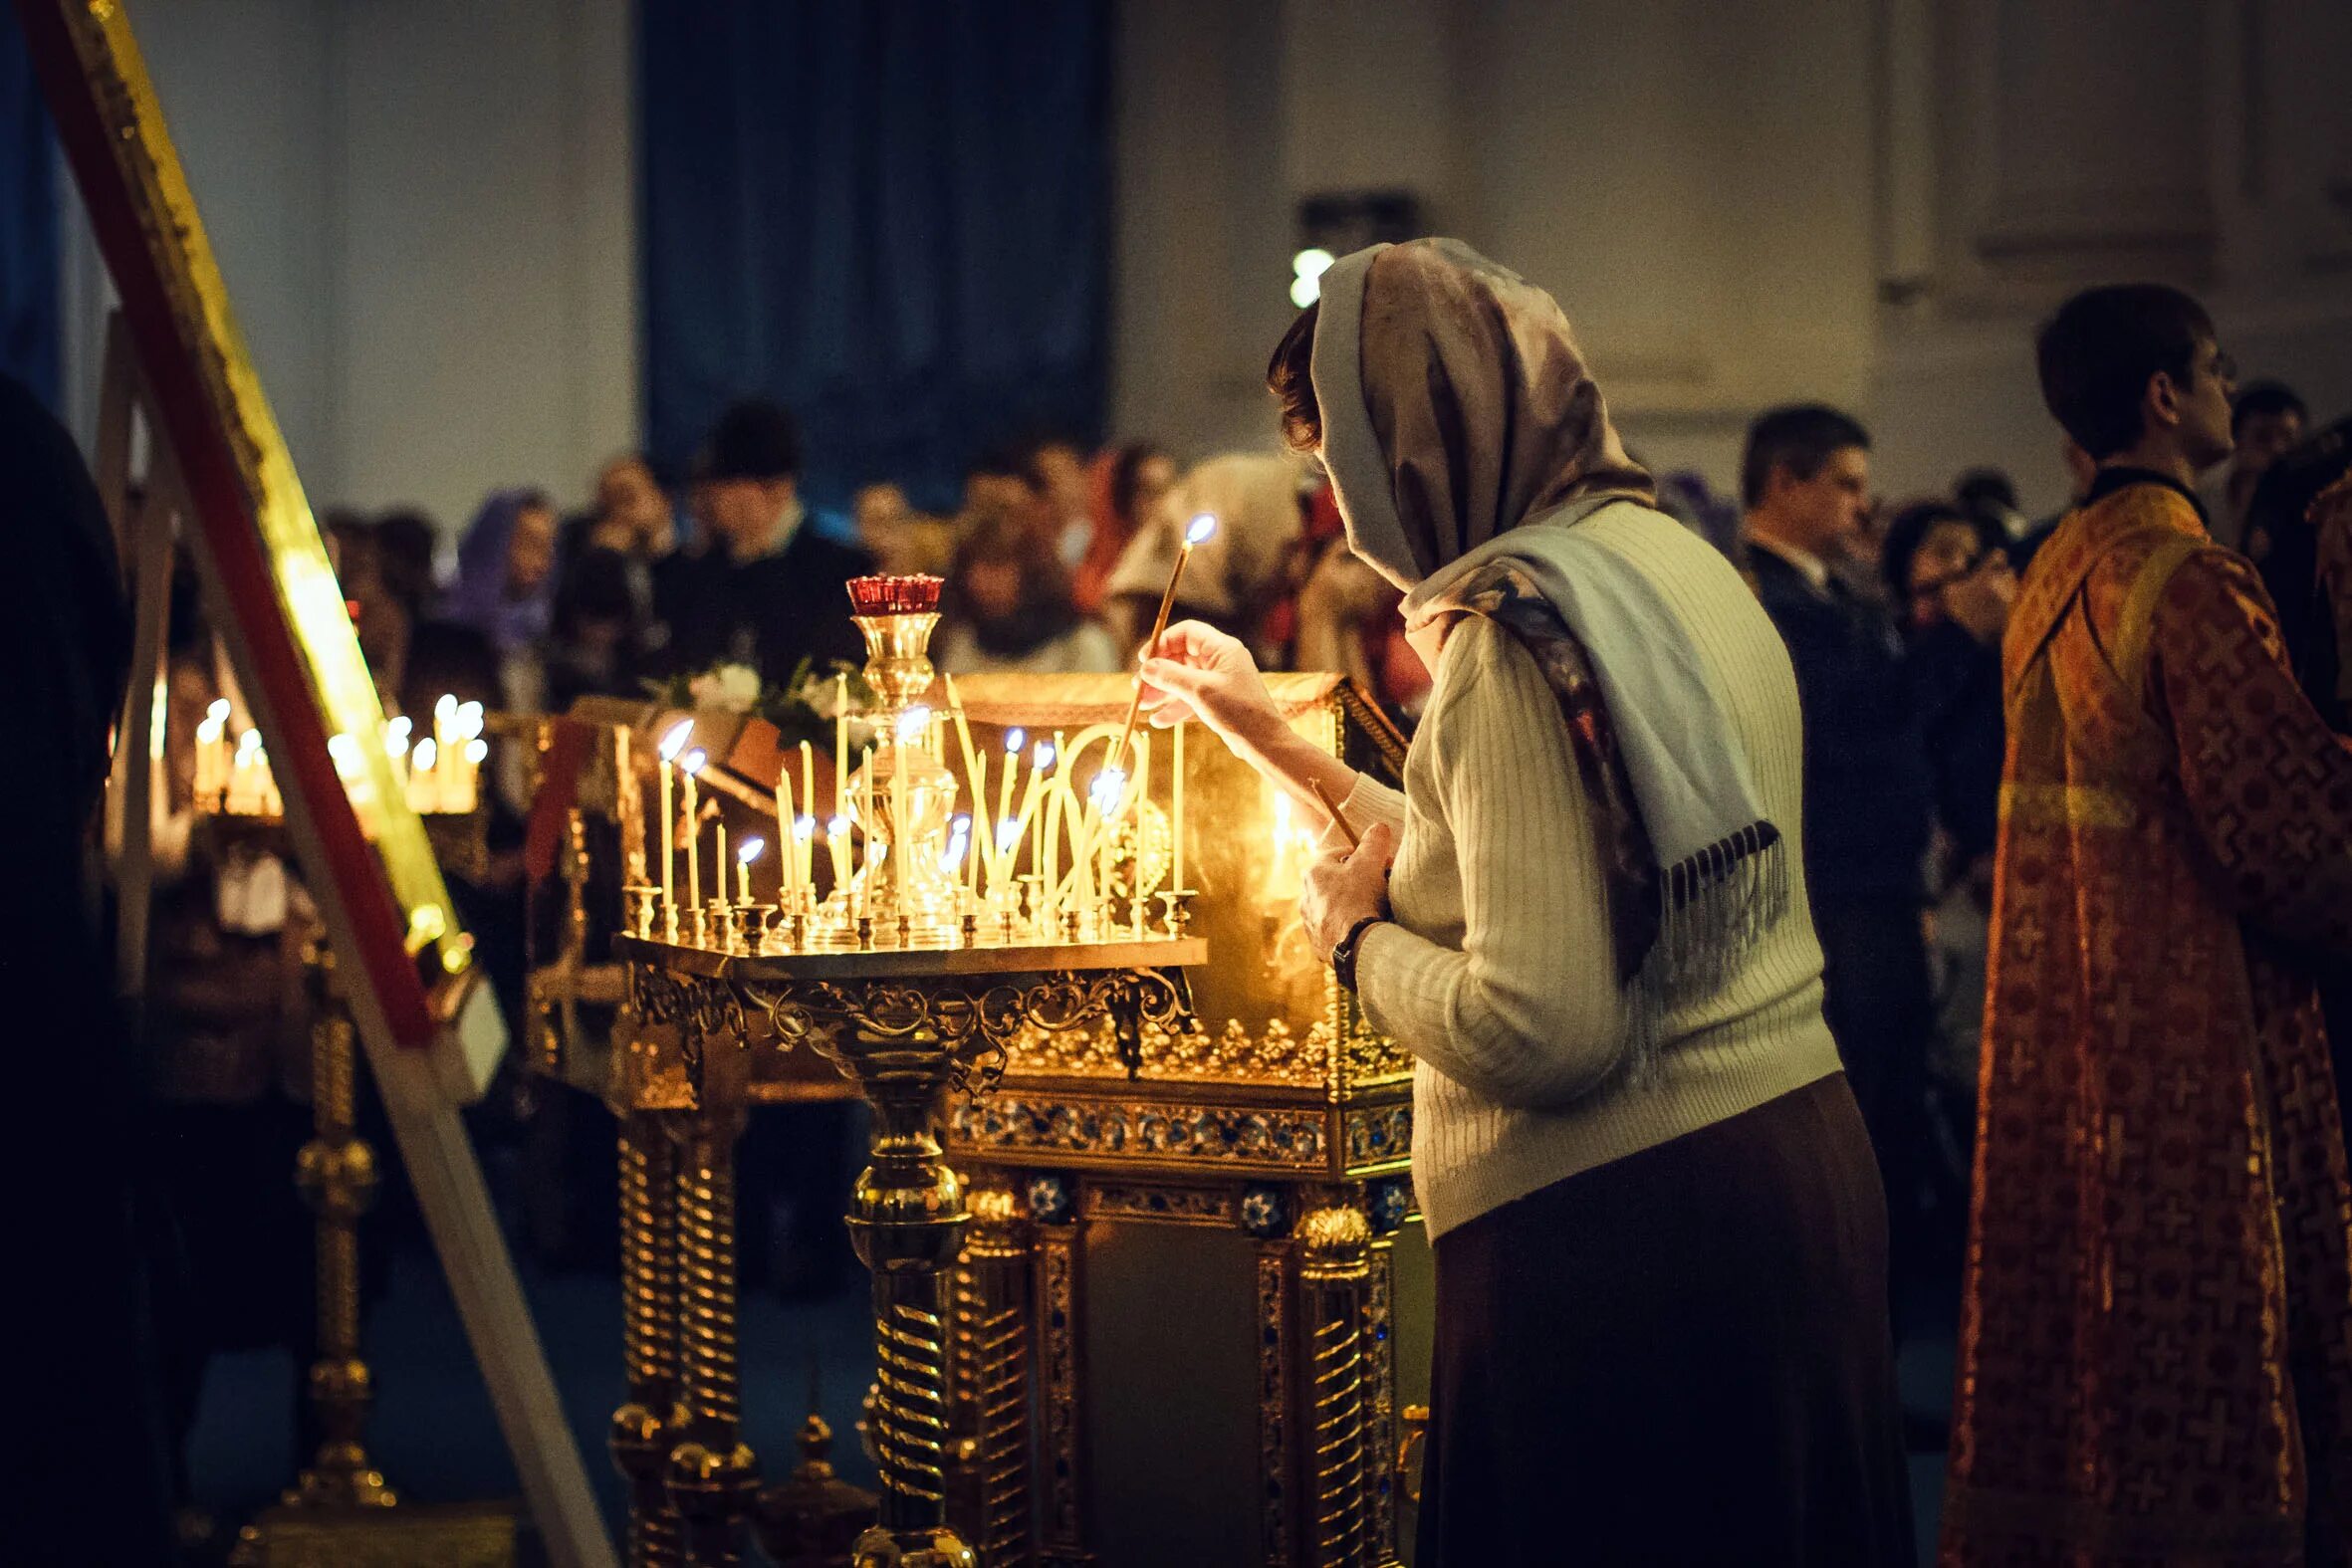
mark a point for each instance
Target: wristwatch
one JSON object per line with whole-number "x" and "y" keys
{"x": 1344, "y": 955}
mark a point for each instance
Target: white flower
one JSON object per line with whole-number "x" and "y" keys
{"x": 728, "y": 688}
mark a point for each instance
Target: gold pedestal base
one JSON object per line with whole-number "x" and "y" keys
{"x": 457, "y": 1535}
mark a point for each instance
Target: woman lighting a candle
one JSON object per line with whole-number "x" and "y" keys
{"x": 1649, "y": 1193}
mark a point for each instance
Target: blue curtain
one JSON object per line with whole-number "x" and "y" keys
{"x": 28, "y": 222}
{"x": 890, "y": 215}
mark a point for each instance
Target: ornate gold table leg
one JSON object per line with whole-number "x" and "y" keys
{"x": 644, "y": 1427}
{"x": 335, "y": 1170}
{"x": 713, "y": 1475}
{"x": 339, "y": 1511}
{"x": 906, "y": 1217}
{"x": 992, "y": 1379}
{"x": 1334, "y": 1284}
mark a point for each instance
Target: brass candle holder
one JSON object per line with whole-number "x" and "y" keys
{"x": 904, "y": 796}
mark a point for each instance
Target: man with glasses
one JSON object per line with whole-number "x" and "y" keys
{"x": 2155, "y": 1331}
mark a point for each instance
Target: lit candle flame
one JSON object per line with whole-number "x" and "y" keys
{"x": 446, "y": 709}
{"x": 396, "y": 732}
{"x": 675, "y": 741}
{"x": 1201, "y": 529}
{"x": 476, "y": 750}
{"x": 218, "y": 712}
{"x": 1106, "y": 789}
{"x": 1044, "y": 758}
{"x": 1014, "y": 739}
{"x": 1007, "y": 834}
{"x": 426, "y": 750}
{"x": 691, "y": 763}
{"x": 913, "y": 724}
{"x": 248, "y": 743}
{"x": 469, "y": 719}
{"x": 835, "y": 826}
{"x": 749, "y": 850}
{"x": 805, "y": 829}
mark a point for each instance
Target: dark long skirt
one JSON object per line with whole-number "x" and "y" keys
{"x": 1680, "y": 1357}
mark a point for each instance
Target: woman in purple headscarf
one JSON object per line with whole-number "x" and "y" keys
{"x": 506, "y": 582}
{"x": 505, "y": 588}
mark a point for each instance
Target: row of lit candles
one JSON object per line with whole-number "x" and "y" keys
{"x": 438, "y": 773}
{"x": 1043, "y": 812}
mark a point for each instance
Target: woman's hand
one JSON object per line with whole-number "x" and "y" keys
{"x": 1201, "y": 673}
{"x": 1345, "y": 887}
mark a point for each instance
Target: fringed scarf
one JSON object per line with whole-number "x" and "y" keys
{"x": 1465, "y": 441}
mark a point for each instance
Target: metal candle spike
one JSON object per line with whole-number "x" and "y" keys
{"x": 1199, "y": 530}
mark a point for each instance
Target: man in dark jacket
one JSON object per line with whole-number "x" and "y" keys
{"x": 769, "y": 594}
{"x": 1805, "y": 483}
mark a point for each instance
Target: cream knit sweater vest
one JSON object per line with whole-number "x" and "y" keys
{"x": 1498, "y": 972}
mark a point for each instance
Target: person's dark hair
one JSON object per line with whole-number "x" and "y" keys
{"x": 1289, "y": 375}
{"x": 2098, "y": 352}
{"x": 2259, "y": 399}
{"x": 1982, "y": 490}
{"x": 1798, "y": 437}
{"x": 1908, "y": 530}
{"x": 1029, "y": 451}
{"x": 404, "y": 543}
{"x": 754, "y": 439}
{"x": 596, "y": 587}
{"x": 998, "y": 462}
{"x": 1126, "y": 476}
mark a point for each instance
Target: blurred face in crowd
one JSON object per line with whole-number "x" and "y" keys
{"x": 886, "y": 526}
{"x": 1954, "y": 576}
{"x": 1155, "y": 476}
{"x": 530, "y": 551}
{"x": 1003, "y": 495}
{"x": 1826, "y": 515}
{"x": 883, "y": 515}
{"x": 992, "y": 585}
{"x": 2266, "y": 438}
{"x": 1062, "y": 474}
{"x": 632, "y": 506}
{"x": 744, "y": 511}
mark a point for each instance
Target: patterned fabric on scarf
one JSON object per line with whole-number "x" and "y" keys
{"x": 1505, "y": 594}
{"x": 2155, "y": 1332}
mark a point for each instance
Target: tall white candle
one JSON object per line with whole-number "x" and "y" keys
{"x": 672, "y": 743}
{"x": 692, "y": 764}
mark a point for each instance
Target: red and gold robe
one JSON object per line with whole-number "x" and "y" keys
{"x": 2155, "y": 1331}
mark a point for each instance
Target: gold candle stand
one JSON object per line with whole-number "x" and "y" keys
{"x": 905, "y": 1027}
{"x": 340, "y": 1508}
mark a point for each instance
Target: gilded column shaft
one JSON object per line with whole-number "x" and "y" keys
{"x": 906, "y": 1218}
{"x": 644, "y": 1427}
{"x": 336, "y": 1174}
{"x": 1333, "y": 1275}
{"x": 993, "y": 1380}
{"x": 712, "y": 1472}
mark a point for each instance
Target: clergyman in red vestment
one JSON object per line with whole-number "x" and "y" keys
{"x": 2156, "y": 1330}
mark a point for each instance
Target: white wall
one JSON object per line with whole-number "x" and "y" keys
{"x": 425, "y": 210}
{"x": 426, "y": 216}
{"x": 1864, "y": 201}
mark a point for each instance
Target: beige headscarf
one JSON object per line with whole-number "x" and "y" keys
{"x": 1466, "y": 442}
{"x": 1480, "y": 406}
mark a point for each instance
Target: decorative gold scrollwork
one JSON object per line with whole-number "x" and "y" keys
{"x": 704, "y": 1008}
{"x": 973, "y": 1021}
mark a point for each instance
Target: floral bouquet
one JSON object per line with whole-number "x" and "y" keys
{"x": 803, "y": 709}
